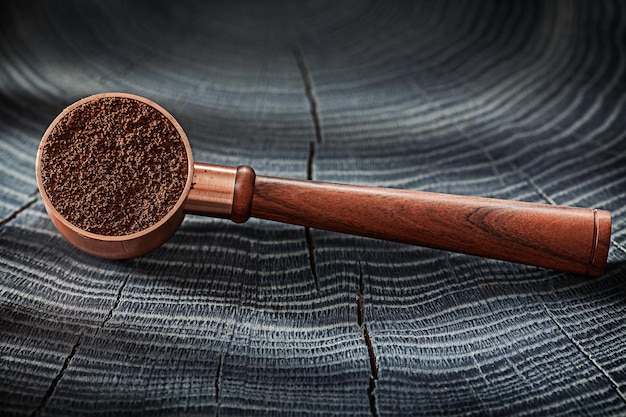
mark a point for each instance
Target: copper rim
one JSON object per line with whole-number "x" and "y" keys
{"x": 124, "y": 246}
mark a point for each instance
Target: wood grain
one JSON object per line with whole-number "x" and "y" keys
{"x": 564, "y": 238}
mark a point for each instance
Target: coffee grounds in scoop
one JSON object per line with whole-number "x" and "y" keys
{"x": 114, "y": 166}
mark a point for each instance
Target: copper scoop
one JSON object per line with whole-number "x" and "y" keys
{"x": 564, "y": 238}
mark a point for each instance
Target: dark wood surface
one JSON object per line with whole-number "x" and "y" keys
{"x": 520, "y": 100}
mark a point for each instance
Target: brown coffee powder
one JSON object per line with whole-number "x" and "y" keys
{"x": 114, "y": 166}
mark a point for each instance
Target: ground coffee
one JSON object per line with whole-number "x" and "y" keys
{"x": 114, "y": 166}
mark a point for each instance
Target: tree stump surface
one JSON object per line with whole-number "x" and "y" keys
{"x": 517, "y": 100}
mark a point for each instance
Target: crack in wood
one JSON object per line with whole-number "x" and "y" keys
{"x": 309, "y": 91}
{"x": 19, "y": 211}
{"x": 310, "y": 95}
{"x": 373, "y": 379}
{"x": 310, "y": 161}
{"x": 116, "y": 304}
{"x": 612, "y": 382}
{"x": 52, "y": 388}
{"x": 216, "y": 383}
{"x": 311, "y": 250}
{"x": 308, "y": 233}
{"x": 538, "y": 190}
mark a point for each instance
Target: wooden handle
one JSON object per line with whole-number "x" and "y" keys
{"x": 564, "y": 238}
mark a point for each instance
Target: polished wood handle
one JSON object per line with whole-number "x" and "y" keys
{"x": 564, "y": 238}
